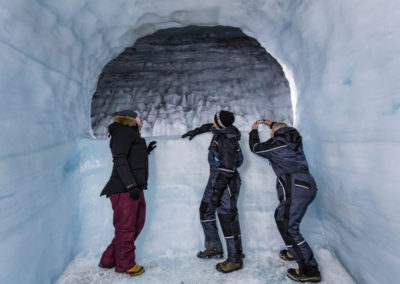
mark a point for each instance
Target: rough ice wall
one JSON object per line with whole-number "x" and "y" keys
{"x": 173, "y": 235}
{"x": 178, "y": 78}
{"x": 344, "y": 59}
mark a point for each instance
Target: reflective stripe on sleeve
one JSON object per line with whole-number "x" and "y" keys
{"x": 255, "y": 146}
{"x": 226, "y": 170}
{"x": 272, "y": 149}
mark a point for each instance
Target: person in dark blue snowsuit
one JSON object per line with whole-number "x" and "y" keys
{"x": 296, "y": 189}
{"x": 222, "y": 191}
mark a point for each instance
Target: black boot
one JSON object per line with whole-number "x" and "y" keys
{"x": 286, "y": 255}
{"x": 210, "y": 254}
{"x": 213, "y": 250}
{"x": 310, "y": 274}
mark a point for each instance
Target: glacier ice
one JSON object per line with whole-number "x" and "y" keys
{"x": 178, "y": 78}
{"x": 343, "y": 56}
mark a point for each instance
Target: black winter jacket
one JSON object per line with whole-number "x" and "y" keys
{"x": 130, "y": 159}
{"x": 284, "y": 151}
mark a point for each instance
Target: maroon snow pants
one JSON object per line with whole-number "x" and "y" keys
{"x": 129, "y": 217}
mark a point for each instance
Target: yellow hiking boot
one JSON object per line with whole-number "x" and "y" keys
{"x": 136, "y": 270}
{"x": 286, "y": 255}
{"x": 311, "y": 274}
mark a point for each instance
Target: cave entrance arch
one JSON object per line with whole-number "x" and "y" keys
{"x": 177, "y": 78}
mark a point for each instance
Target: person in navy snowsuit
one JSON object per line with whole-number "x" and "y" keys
{"x": 222, "y": 191}
{"x": 296, "y": 189}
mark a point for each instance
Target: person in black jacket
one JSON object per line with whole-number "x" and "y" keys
{"x": 222, "y": 191}
{"x": 296, "y": 189}
{"x": 125, "y": 190}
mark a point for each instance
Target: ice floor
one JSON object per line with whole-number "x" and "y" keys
{"x": 173, "y": 235}
{"x": 263, "y": 267}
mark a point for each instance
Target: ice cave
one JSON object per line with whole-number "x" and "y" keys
{"x": 327, "y": 67}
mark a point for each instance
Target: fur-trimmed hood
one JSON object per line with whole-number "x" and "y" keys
{"x": 123, "y": 123}
{"x": 125, "y": 120}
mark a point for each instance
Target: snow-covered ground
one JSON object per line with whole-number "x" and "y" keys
{"x": 172, "y": 235}
{"x": 259, "y": 268}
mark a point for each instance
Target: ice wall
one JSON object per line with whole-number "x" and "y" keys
{"x": 344, "y": 59}
{"x": 173, "y": 235}
{"x": 177, "y": 78}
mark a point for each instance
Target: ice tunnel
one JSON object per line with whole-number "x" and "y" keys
{"x": 341, "y": 58}
{"x": 177, "y": 78}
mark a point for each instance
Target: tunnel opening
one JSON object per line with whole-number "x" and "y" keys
{"x": 177, "y": 78}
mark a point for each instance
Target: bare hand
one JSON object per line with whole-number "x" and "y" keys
{"x": 267, "y": 121}
{"x": 255, "y": 125}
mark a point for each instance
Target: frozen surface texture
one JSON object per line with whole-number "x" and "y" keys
{"x": 342, "y": 55}
{"x": 184, "y": 268}
{"x": 172, "y": 235}
{"x": 178, "y": 78}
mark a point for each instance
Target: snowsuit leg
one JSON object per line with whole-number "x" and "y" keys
{"x": 229, "y": 219}
{"x": 128, "y": 220}
{"x": 208, "y": 220}
{"x": 295, "y": 193}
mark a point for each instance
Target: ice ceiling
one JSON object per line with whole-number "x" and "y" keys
{"x": 342, "y": 56}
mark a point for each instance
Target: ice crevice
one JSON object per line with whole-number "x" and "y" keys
{"x": 343, "y": 65}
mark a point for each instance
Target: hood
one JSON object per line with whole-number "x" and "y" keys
{"x": 290, "y": 135}
{"x": 231, "y": 132}
{"x": 116, "y": 126}
{"x": 125, "y": 120}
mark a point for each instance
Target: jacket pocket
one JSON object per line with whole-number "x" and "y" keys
{"x": 302, "y": 184}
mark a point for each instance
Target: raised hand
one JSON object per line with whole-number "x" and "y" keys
{"x": 267, "y": 121}
{"x": 255, "y": 125}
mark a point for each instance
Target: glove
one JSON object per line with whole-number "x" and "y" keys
{"x": 215, "y": 199}
{"x": 191, "y": 134}
{"x": 202, "y": 129}
{"x": 134, "y": 193}
{"x": 151, "y": 147}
